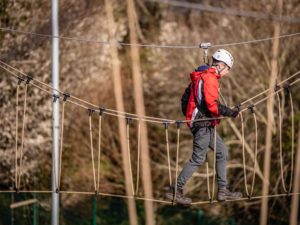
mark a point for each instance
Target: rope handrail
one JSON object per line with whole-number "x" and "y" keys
{"x": 148, "y": 118}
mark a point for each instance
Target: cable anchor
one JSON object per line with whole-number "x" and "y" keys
{"x": 66, "y": 96}
{"x": 55, "y": 97}
{"x": 20, "y": 80}
{"x": 251, "y": 108}
{"x": 91, "y": 111}
{"x": 166, "y": 125}
{"x": 28, "y": 79}
{"x": 178, "y": 122}
{"x": 287, "y": 88}
{"x": 205, "y": 46}
{"x": 128, "y": 120}
{"x": 277, "y": 87}
{"x": 101, "y": 110}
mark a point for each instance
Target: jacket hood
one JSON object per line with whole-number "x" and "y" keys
{"x": 197, "y": 74}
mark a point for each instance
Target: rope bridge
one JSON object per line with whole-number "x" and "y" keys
{"x": 26, "y": 81}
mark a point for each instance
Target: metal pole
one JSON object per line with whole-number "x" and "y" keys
{"x": 55, "y": 83}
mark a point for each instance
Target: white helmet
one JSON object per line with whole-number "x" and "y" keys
{"x": 223, "y": 56}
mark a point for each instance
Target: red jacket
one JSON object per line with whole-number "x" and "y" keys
{"x": 204, "y": 83}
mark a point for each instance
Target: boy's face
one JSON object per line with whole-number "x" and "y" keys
{"x": 224, "y": 69}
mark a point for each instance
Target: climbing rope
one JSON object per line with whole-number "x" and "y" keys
{"x": 280, "y": 142}
{"x": 128, "y": 154}
{"x": 207, "y": 180}
{"x": 16, "y": 138}
{"x": 61, "y": 142}
{"x": 138, "y": 158}
{"x": 169, "y": 121}
{"x": 244, "y": 157}
{"x": 215, "y": 154}
{"x": 177, "y": 158}
{"x": 23, "y": 131}
{"x": 168, "y": 152}
{"x": 90, "y": 112}
{"x": 99, "y": 147}
{"x": 293, "y": 138}
{"x": 135, "y": 116}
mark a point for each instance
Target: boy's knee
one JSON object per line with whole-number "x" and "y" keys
{"x": 222, "y": 155}
{"x": 198, "y": 160}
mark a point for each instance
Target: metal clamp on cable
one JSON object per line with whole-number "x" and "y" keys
{"x": 277, "y": 87}
{"x": 91, "y": 111}
{"x": 287, "y": 88}
{"x": 178, "y": 122}
{"x": 66, "y": 96}
{"x": 205, "y": 46}
{"x": 57, "y": 191}
{"x": 20, "y": 80}
{"x": 166, "y": 125}
{"x": 251, "y": 108}
{"x": 128, "y": 120}
{"x": 17, "y": 190}
{"x": 55, "y": 97}
{"x": 97, "y": 193}
{"x": 28, "y": 79}
{"x": 101, "y": 110}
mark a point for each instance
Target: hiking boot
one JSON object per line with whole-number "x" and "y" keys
{"x": 180, "y": 198}
{"x": 224, "y": 193}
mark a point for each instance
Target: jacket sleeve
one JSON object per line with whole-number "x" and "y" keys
{"x": 211, "y": 94}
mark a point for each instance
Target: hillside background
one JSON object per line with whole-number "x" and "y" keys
{"x": 85, "y": 72}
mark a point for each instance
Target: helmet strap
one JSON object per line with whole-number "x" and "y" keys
{"x": 220, "y": 70}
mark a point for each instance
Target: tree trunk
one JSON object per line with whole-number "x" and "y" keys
{"x": 296, "y": 187}
{"x": 120, "y": 107}
{"x": 140, "y": 109}
{"x": 270, "y": 124}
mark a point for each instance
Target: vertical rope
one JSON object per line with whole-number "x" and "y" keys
{"x": 293, "y": 138}
{"x": 244, "y": 157}
{"x": 99, "y": 151}
{"x": 22, "y": 137}
{"x": 138, "y": 157}
{"x": 215, "y": 154}
{"x": 92, "y": 149}
{"x": 280, "y": 142}
{"x": 168, "y": 153}
{"x": 17, "y": 125}
{"x": 207, "y": 179}
{"x": 177, "y": 156}
{"x": 55, "y": 98}
{"x": 129, "y": 155}
{"x": 255, "y": 154}
{"x": 61, "y": 142}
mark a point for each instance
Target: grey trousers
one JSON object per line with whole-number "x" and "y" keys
{"x": 203, "y": 138}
